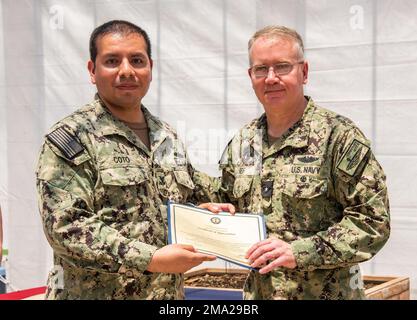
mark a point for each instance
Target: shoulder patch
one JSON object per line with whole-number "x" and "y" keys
{"x": 65, "y": 142}
{"x": 353, "y": 157}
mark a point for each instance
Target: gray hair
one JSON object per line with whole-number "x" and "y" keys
{"x": 272, "y": 32}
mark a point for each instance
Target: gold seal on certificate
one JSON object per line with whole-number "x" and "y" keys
{"x": 226, "y": 236}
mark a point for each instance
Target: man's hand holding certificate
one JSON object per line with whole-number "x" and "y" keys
{"x": 226, "y": 236}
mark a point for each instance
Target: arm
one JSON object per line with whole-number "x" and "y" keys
{"x": 207, "y": 193}
{"x": 206, "y": 187}
{"x": 77, "y": 234}
{"x": 177, "y": 258}
{"x": 359, "y": 187}
{"x": 72, "y": 227}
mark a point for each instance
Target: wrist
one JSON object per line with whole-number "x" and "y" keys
{"x": 305, "y": 254}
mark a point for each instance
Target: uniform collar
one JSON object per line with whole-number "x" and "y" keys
{"x": 108, "y": 124}
{"x": 158, "y": 131}
{"x": 296, "y": 137}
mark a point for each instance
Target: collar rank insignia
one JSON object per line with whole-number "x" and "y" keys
{"x": 65, "y": 142}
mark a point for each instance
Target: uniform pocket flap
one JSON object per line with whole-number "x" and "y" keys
{"x": 183, "y": 178}
{"x": 241, "y": 186}
{"x": 304, "y": 187}
{"x": 123, "y": 176}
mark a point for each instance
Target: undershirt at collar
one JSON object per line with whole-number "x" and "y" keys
{"x": 142, "y": 131}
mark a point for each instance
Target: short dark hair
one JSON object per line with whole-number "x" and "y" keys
{"x": 116, "y": 26}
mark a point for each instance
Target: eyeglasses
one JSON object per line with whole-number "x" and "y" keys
{"x": 280, "y": 69}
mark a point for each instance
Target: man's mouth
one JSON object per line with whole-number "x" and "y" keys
{"x": 274, "y": 91}
{"x": 127, "y": 86}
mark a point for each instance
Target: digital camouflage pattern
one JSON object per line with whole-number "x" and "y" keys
{"x": 320, "y": 189}
{"x": 103, "y": 205}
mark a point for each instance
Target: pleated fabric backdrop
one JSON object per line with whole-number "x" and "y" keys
{"x": 363, "y": 64}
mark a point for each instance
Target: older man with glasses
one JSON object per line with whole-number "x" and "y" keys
{"x": 312, "y": 173}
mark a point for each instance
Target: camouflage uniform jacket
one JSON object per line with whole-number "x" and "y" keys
{"x": 320, "y": 189}
{"x": 103, "y": 208}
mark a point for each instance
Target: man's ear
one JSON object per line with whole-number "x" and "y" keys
{"x": 151, "y": 64}
{"x": 91, "y": 69}
{"x": 305, "y": 72}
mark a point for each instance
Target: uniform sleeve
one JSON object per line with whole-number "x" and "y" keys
{"x": 227, "y": 179}
{"x": 206, "y": 188}
{"x": 234, "y": 186}
{"x": 75, "y": 232}
{"x": 227, "y": 184}
{"x": 359, "y": 188}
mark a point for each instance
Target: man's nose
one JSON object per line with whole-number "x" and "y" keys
{"x": 126, "y": 69}
{"x": 271, "y": 77}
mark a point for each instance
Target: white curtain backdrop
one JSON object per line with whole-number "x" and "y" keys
{"x": 363, "y": 64}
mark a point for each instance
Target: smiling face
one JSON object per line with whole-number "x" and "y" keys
{"x": 122, "y": 71}
{"x": 273, "y": 91}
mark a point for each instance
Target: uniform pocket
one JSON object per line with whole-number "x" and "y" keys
{"x": 175, "y": 185}
{"x": 121, "y": 196}
{"x": 242, "y": 192}
{"x": 123, "y": 176}
{"x": 184, "y": 179}
{"x": 241, "y": 186}
{"x": 304, "y": 204}
{"x": 304, "y": 187}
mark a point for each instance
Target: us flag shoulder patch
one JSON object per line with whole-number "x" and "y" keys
{"x": 353, "y": 157}
{"x": 65, "y": 142}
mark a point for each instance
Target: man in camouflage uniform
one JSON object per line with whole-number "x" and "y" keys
{"x": 312, "y": 174}
{"x": 102, "y": 183}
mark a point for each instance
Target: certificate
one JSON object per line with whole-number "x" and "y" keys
{"x": 226, "y": 236}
